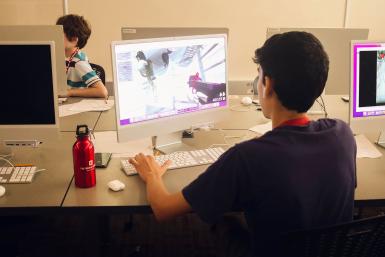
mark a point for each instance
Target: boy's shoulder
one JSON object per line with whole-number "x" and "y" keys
{"x": 81, "y": 56}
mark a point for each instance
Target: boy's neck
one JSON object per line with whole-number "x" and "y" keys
{"x": 281, "y": 115}
{"x": 70, "y": 51}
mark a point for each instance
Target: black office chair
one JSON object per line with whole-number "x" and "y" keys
{"x": 361, "y": 238}
{"x": 99, "y": 71}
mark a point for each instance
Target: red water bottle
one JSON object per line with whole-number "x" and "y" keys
{"x": 83, "y": 153}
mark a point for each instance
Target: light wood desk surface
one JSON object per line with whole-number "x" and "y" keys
{"x": 49, "y": 187}
{"x": 370, "y": 172}
{"x": 133, "y": 196}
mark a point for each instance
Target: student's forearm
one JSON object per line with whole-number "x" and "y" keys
{"x": 99, "y": 91}
{"x": 164, "y": 204}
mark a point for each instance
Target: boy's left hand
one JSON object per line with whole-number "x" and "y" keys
{"x": 146, "y": 166}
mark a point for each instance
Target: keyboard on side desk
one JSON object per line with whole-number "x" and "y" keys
{"x": 181, "y": 159}
{"x": 17, "y": 175}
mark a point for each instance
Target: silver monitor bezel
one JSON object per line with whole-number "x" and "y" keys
{"x": 360, "y": 125}
{"x": 34, "y": 131}
{"x": 132, "y": 33}
{"x": 173, "y": 123}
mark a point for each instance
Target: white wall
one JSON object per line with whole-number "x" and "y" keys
{"x": 30, "y": 12}
{"x": 368, "y": 14}
{"x": 246, "y": 19}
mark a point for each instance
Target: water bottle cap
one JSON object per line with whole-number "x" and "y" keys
{"x": 82, "y": 130}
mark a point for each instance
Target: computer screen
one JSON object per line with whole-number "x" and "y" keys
{"x": 167, "y": 84}
{"x": 367, "y": 112}
{"x": 28, "y": 78}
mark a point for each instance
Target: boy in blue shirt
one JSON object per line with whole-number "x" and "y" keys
{"x": 81, "y": 78}
{"x": 300, "y": 175}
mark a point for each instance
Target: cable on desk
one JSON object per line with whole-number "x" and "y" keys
{"x": 324, "y": 106}
{"x": 235, "y": 108}
{"x": 225, "y": 137}
{"x": 97, "y": 120}
{"x": 9, "y": 156}
{"x": 10, "y": 163}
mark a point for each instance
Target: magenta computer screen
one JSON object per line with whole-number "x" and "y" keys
{"x": 368, "y": 79}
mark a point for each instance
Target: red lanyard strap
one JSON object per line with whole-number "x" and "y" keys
{"x": 303, "y": 121}
{"x": 70, "y": 59}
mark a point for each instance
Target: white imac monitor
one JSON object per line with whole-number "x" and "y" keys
{"x": 367, "y": 92}
{"x": 28, "y": 108}
{"x": 130, "y": 33}
{"x": 166, "y": 85}
{"x": 336, "y": 42}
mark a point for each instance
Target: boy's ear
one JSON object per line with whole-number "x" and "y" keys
{"x": 268, "y": 89}
{"x": 74, "y": 40}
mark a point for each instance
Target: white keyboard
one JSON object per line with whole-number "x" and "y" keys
{"x": 181, "y": 159}
{"x": 23, "y": 174}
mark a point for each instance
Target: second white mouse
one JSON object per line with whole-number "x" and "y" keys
{"x": 2, "y": 191}
{"x": 246, "y": 100}
{"x": 116, "y": 185}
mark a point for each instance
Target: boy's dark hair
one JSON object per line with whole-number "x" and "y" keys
{"x": 75, "y": 26}
{"x": 298, "y": 65}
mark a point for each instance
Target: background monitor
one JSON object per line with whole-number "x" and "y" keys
{"x": 367, "y": 94}
{"x": 336, "y": 42}
{"x": 28, "y": 108}
{"x": 129, "y": 33}
{"x": 164, "y": 85}
{"x": 29, "y": 33}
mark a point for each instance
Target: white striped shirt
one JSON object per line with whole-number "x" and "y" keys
{"x": 80, "y": 74}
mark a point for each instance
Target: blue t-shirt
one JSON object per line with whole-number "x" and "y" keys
{"x": 290, "y": 178}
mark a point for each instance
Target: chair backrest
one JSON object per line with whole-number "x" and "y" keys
{"x": 99, "y": 71}
{"x": 361, "y": 238}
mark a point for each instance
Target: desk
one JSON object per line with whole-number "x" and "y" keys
{"x": 48, "y": 189}
{"x": 133, "y": 197}
{"x": 69, "y": 123}
{"x": 370, "y": 172}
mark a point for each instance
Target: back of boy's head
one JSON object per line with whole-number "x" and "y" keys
{"x": 298, "y": 66}
{"x": 75, "y": 26}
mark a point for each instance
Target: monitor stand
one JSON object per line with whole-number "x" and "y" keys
{"x": 170, "y": 143}
{"x": 381, "y": 139}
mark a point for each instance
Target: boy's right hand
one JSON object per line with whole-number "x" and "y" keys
{"x": 63, "y": 95}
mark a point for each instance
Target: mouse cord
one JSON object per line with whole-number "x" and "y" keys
{"x": 324, "y": 107}
{"x": 236, "y": 108}
{"x": 10, "y": 163}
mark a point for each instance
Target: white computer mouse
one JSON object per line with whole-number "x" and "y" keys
{"x": 116, "y": 185}
{"x": 246, "y": 100}
{"x": 2, "y": 191}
